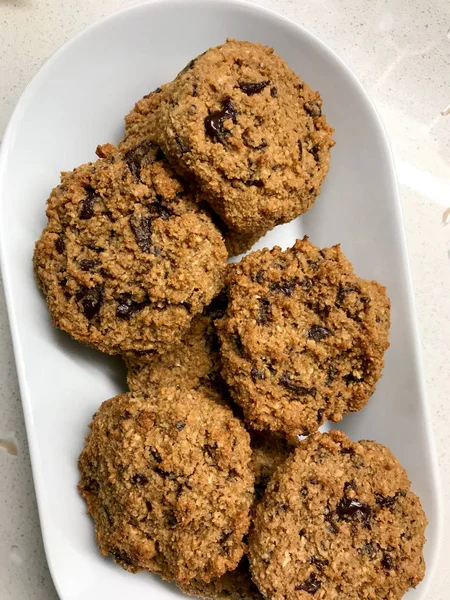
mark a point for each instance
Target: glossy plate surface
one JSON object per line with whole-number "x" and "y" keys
{"x": 78, "y": 100}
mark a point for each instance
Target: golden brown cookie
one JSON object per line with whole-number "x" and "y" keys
{"x": 249, "y": 131}
{"x": 168, "y": 483}
{"x": 303, "y": 337}
{"x": 140, "y": 127}
{"x": 127, "y": 258}
{"x": 338, "y": 521}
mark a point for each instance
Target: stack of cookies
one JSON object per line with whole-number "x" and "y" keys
{"x": 210, "y": 471}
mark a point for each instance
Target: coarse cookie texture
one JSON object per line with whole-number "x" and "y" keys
{"x": 338, "y": 522}
{"x": 269, "y": 451}
{"x": 168, "y": 483}
{"x": 127, "y": 258}
{"x": 249, "y": 131}
{"x": 234, "y": 585}
{"x": 194, "y": 363}
{"x": 140, "y": 127}
{"x": 303, "y": 337}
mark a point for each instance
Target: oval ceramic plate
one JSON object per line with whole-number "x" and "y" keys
{"x": 78, "y": 100}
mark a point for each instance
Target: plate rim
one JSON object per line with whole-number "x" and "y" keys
{"x": 5, "y": 144}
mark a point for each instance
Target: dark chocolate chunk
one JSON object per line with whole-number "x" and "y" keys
{"x": 387, "y": 562}
{"x": 332, "y": 372}
{"x": 156, "y": 455}
{"x": 91, "y": 300}
{"x": 369, "y": 549}
{"x": 300, "y": 150}
{"x": 310, "y": 585}
{"x": 285, "y": 286}
{"x": 302, "y": 532}
{"x": 87, "y": 206}
{"x": 298, "y": 390}
{"x": 60, "y": 245}
{"x": 320, "y": 415}
{"x": 317, "y": 333}
{"x": 214, "y": 121}
{"x": 351, "y": 508}
{"x": 128, "y": 307}
{"x": 141, "y": 228}
{"x": 184, "y": 148}
{"x": 180, "y": 425}
{"x": 320, "y": 563}
{"x": 251, "y": 88}
{"x": 121, "y": 557}
{"x": 273, "y": 92}
{"x": 343, "y": 291}
{"x": 315, "y": 152}
{"x": 139, "y": 479}
{"x": 388, "y": 501}
{"x": 142, "y": 155}
{"x": 264, "y": 311}
{"x": 313, "y": 109}
{"x": 256, "y": 374}
{"x": 349, "y": 485}
{"x": 259, "y": 183}
{"x": 258, "y": 277}
{"x": 87, "y": 264}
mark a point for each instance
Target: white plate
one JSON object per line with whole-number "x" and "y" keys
{"x": 77, "y": 100}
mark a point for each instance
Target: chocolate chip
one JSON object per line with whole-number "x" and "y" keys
{"x": 60, "y": 245}
{"x": 387, "y": 562}
{"x": 63, "y": 282}
{"x": 156, "y": 456}
{"x": 313, "y": 109}
{"x": 349, "y": 485}
{"x": 195, "y": 89}
{"x": 141, "y": 228}
{"x": 285, "y": 286}
{"x": 259, "y": 183}
{"x": 180, "y": 425}
{"x": 171, "y": 519}
{"x": 300, "y": 150}
{"x": 307, "y": 283}
{"x": 250, "y": 88}
{"x": 87, "y": 206}
{"x": 256, "y": 374}
{"x": 320, "y": 563}
{"x": 122, "y": 557}
{"x": 343, "y": 291}
{"x": 248, "y": 144}
{"x": 351, "y": 508}
{"x": 347, "y": 451}
{"x": 320, "y": 415}
{"x": 299, "y": 390}
{"x": 157, "y": 91}
{"x": 315, "y": 150}
{"x": 302, "y": 532}
{"x": 91, "y": 300}
{"x": 310, "y": 585}
{"x": 149, "y": 506}
{"x": 388, "y": 501}
{"x": 258, "y": 277}
{"x": 139, "y": 479}
{"x": 214, "y": 121}
{"x": 369, "y": 550}
{"x": 350, "y": 378}
{"x": 273, "y": 92}
{"x": 365, "y": 299}
{"x": 87, "y": 264}
{"x": 317, "y": 333}
{"x": 184, "y": 148}
{"x": 142, "y": 155}
{"x": 264, "y": 311}
{"x": 332, "y": 372}
{"x": 128, "y": 307}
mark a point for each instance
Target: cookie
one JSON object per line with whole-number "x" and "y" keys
{"x": 338, "y": 521}
{"x": 194, "y": 363}
{"x": 303, "y": 337}
{"x": 234, "y": 585}
{"x": 128, "y": 258}
{"x": 249, "y": 131}
{"x": 168, "y": 483}
{"x": 269, "y": 451}
{"x": 140, "y": 127}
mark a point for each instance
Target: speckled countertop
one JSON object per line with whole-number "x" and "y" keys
{"x": 400, "y": 49}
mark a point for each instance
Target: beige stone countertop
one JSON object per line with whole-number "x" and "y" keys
{"x": 400, "y": 50}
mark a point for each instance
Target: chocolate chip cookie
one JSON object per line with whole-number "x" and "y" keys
{"x": 249, "y": 131}
{"x": 338, "y": 521}
{"x": 168, "y": 483}
{"x": 128, "y": 258}
{"x": 303, "y": 337}
{"x": 140, "y": 127}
